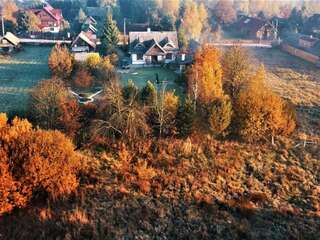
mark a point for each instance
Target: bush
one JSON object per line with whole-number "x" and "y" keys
{"x": 220, "y": 114}
{"x": 34, "y": 160}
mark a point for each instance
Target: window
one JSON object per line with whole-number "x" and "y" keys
{"x": 169, "y": 56}
{"x": 139, "y": 56}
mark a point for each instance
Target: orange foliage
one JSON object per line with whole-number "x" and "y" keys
{"x": 205, "y": 75}
{"x": 34, "y": 160}
{"x": 83, "y": 79}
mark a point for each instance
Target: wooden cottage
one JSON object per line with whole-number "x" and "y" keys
{"x": 9, "y": 43}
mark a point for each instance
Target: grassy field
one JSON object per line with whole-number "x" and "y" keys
{"x": 140, "y": 76}
{"x": 18, "y": 74}
{"x": 296, "y": 80}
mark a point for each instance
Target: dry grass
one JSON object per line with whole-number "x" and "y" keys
{"x": 194, "y": 189}
{"x": 296, "y": 80}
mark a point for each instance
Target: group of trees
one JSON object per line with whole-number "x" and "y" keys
{"x": 233, "y": 99}
{"x": 95, "y": 70}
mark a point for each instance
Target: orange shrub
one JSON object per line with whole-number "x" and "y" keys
{"x": 34, "y": 160}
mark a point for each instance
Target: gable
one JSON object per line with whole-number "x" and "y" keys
{"x": 155, "y": 50}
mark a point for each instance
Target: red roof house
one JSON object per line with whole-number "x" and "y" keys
{"x": 51, "y": 19}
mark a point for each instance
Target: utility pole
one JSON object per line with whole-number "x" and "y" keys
{"x": 2, "y": 24}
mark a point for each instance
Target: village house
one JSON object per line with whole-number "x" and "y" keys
{"x": 153, "y": 47}
{"x": 51, "y": 19}
{"x": 308, "y": 41}
{"x": 256, "y": 28}
{"x": 9, "y": 42}
{"x": 86, "y": 41}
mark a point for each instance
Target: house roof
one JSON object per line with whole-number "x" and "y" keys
{"x": 56, "y": 14}
{"x": 251, "y": 24}
{"x": 83, "y": 36}
{"x": 142, "y": 42}
{"x": 10, "y": 37}
{"x": 309, "y": 39}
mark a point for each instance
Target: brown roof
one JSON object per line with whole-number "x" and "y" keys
{"x": 142, "y": 42}
{"x": 82, "y": 35}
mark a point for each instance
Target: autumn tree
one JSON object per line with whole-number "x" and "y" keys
{"x": 236, "y": 70}
{"x": 83, "y": 78}
{"x": 119, "y": 117}
{"x": 28, "y": 21}
{"x": 224, "y": 12}
{"x": 33, "y": 161}
{"x": 8, "y": 9}
{"x": 163, "y": 113}
{"x": 52, "y": 107}
{"x": 195, "y": 19}
{"x": 185, "y": 118}
{"x": 110, "y": 35}
{"x": 205, "y": 76}
{"x": 262, "y": 113}
{"x": 220, "y": 115}
{"x": 60, "y": 62}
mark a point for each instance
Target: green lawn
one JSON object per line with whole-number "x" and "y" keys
{"x": 140, "y": 76}
{"x": 20, "y": 72}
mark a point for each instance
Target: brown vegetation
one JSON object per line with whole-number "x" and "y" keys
{"x": 34, "y": 161}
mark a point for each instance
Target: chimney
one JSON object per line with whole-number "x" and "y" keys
{"x": 148, "y": 30}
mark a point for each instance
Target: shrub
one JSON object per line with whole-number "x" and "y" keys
{"x": 34, "y": 160}
{"x": 220, "y": 114}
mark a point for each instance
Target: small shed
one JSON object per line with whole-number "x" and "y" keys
{"x": 9, "y": 42}
{"x": 308, "y": 41}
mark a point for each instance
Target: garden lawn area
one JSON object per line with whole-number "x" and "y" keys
{"x": 140, "y": 76}
{"x": 19, "y": 73}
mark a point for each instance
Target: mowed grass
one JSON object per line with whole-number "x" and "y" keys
{"x": 19, "y": 73}
{"x": 140, "y": 76}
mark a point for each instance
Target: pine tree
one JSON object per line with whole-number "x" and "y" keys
{"x": 148, "y": 94}
{"x": 110, "y": 35}
{"x": 185, "y": 117}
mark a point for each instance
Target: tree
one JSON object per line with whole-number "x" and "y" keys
{"x": 262, "y": 113}
{"x": 163, "y": 113}
{"x": 183, "y": 38}
{"x": 185, "y": 118}
{"x": 8, "y": 10}
{"x": 28, "y": 21}
{"x": 52, "y": 107}
{"x": 34, "y": 160}
{"x": 148, "y": 94}
{"x": 118, "y": 117}
{"x": 205, "y": 75}
{"x": 225, "y": 12}
{"x": 236, "y": 70}
{"x": 60, "y": 62}
{"x": 81, "y": 16}
{"x": 220, "y": 115}
{"x": 93, "y": 61}
{"x": 195, "y": 19}
{"x": 110, "y": 35}
{"x": 83, "y": 78}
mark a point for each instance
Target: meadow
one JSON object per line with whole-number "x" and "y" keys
{"x": 19, "y": 73}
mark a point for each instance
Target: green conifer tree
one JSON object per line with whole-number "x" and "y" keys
{"x": 110, "y": 35}
{"x": 185, "y": 117}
